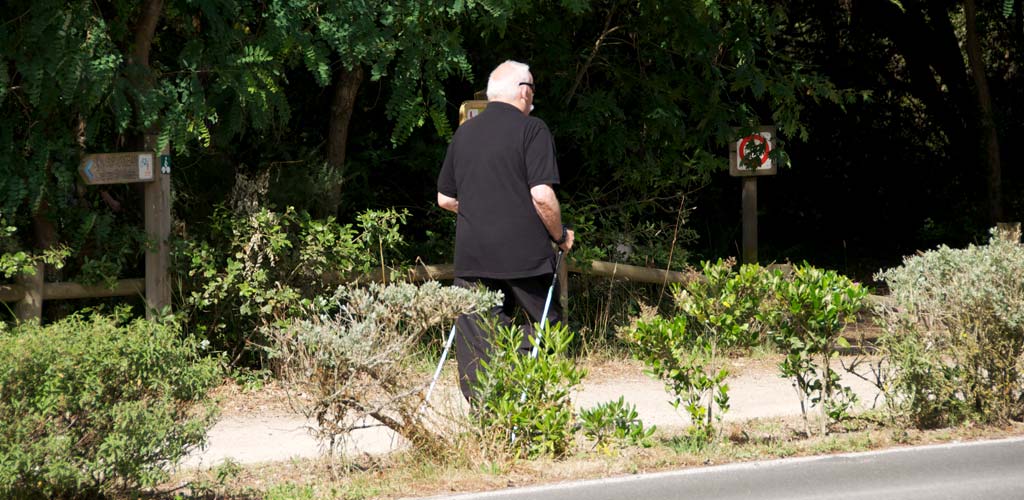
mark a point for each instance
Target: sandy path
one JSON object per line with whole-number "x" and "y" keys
{"x": 271, "y": 432}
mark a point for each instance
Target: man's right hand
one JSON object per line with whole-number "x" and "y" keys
{"x": 570, "y": 237}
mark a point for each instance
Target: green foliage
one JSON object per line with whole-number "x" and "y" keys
{"x": 811, "y": 308}
{"x": 380, "y": 230}
{"x": 717, "y": 310}
{"x": 722, "y": 309}
{"x": 615, "y": 423}
{"x": 260, "y": 266}
{"x": 725, "y": 302}
{"x": 90, "y": 405}
{"x": 524, "y": 401}
{"x": 643, "y": 98}
{"x": 70, "y": 88}
{"x": 14, "y": 262}
{"x": 413, "y": 45}
{"x": 954, "y": 334}
{"x": 689, "y": 362}
{"x": 357, "y": 356}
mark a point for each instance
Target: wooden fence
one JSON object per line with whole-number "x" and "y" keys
{"x": 29, "y": 292}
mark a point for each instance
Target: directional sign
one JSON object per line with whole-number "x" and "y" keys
{"x": 117, "y": 168}
{"x": 749, "y": 155}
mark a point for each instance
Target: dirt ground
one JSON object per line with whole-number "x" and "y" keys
{"x": 259, "y": 426}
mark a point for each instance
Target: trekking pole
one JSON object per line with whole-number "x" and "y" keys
{"x": 437, "y": 372}
{"x": 547, "y": 305}
{"x": 541, "y": 326}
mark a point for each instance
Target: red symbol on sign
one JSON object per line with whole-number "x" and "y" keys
{"x": 755, "y": 138}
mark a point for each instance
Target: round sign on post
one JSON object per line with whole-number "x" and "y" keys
{"x": 749, "y": 155}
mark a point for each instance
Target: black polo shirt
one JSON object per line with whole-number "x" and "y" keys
{"x": 492, "y": 162}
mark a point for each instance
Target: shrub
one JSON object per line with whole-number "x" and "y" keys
{"x": 92, "y": 404}
{"x": 359, "y": 359}
{"x": 689, "y": 363}
{"x": 725, "y": 303}
{"x": 812, "y": 307}
{"x": 954, "y": 334}
{"x": 615, "y": 423}
{"x": 716, "y": 312}
{"x": 524, "y": 401}
{"x": 257, "y": 266}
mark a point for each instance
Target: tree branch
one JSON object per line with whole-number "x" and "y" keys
{"x": 593, "y": 53}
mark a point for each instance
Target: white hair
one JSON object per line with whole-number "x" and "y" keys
{"x": 504, "y": 85}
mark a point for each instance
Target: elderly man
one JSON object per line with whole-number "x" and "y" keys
{"x": 497, "y": 177}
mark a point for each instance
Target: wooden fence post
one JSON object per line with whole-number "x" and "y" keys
{"x": 31, "y": 304}
{"x": 158, "y": 230}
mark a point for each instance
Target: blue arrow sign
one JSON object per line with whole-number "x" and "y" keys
{"x": 88, "y": 170}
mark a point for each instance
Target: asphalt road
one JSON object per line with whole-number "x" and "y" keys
{"x": 989, "y": 470}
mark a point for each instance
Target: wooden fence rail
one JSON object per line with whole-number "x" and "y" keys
{"x": 30, "y": 291}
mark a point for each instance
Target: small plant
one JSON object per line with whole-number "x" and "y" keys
{"x": 954, "y": 334}
{"x": 524, "y": 401}
{"x": 811, "y": 309}
{"x": 615, "y": 423}
{"x": 250, "y": 380}
{"x": 92, "y": 405}
{"x": 689, "y": 365}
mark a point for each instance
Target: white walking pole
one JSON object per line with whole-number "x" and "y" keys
{"x": 547, "y": 305}
{"x": 437, "y": 372}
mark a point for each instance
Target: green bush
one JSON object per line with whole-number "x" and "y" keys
{"x": 954, "y": 334}
{"x": 810, "y": 310}
{"x": 716, "y": 312}
{"x": 689, "y": 362}
{"x": 93, "y": 404}
{"x": 524, "y": 401}
{"x": 615, "y": 423}
{"x": 725, "y": 303}
{"x": 801, "y": 312}
{"x": 256, "y": 266}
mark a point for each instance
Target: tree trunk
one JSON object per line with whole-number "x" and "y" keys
{"x": 346, "y": 87}
{"x": 145, "y": 31}
{"x": 987, "y": 120}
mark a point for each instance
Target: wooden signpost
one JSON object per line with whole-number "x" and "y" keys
{"x": 749, "y": 158}
{"x": 140, "y": 167}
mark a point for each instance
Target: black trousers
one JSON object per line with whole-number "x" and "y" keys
{"x": 473, "y": 343}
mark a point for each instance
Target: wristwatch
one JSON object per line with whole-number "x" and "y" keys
{"x": 565, "y": 235}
